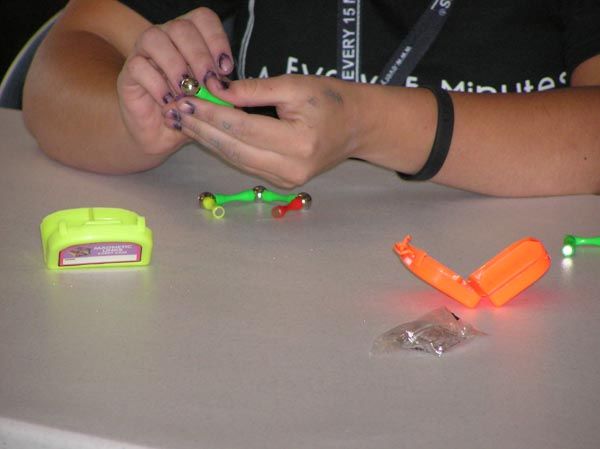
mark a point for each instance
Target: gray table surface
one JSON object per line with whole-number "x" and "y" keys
{"x": 252, "y": 332}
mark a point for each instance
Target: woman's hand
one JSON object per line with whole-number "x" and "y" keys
{"x": 316, "y": 129}
{"x": 194, "y": 44}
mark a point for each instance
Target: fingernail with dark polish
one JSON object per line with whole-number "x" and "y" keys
{"x": 174, "y": 114}
{"x": 177, "y": 126}
{"x": 224, "y": 84}
{"x": 187, "y": 108}
{"x": 179, "y": 97}
{"x": 225, "y": 63}
{"x": 168, "y": 98}
{"x": 208, "y": 75}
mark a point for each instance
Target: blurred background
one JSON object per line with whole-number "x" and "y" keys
{"x": 19, "y": 20}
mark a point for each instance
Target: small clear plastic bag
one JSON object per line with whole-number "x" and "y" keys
{"x": 435, "y": 333}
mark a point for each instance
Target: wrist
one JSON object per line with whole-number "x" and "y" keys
{"x": 442, "y": 140}
{"x": 396, "y": 125}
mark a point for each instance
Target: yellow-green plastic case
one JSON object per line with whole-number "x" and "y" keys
{"x": 95, "y": 237}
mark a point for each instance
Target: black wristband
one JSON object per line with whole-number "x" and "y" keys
{"x": 443, "y": 137}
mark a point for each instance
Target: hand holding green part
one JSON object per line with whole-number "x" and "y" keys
{"x": 570, "y": 242}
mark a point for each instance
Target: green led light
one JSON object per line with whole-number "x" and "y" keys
{"x": 568, "y": 250}
{"x": 210, "y": 204}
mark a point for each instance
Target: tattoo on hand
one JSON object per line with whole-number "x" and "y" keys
{"x": 335, "y": 96}
{"x": 313, "y": 102}
{"x": 226, "y": 125}
{"x": 232, "y": 155}
{"x": 215, "y": 143}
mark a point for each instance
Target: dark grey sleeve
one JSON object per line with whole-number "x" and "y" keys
{"x": 160, "y": 11}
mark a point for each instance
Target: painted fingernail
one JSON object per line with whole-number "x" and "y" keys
{"x": 187, "y": 108}
{"x": 224, "y": 83}
{"x": 174, "y": 114}
{"x": 225, "y": 63}
{"x": 168, "y": 98}
{"x": 208, "y": 75}
{"x": 177, "y": 126}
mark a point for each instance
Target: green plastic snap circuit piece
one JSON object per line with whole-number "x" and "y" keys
{"x": 191, "y": 86}
{"x": 204, "y": 94}
{"x": 570, "y": 242}
{"x": 270, "y": 197}
{"x": 95, "y": 237}
{"x": 246, "y": 196}
{"x": 258, "y": 193}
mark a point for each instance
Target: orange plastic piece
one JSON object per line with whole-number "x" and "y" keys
{"x": 280, "y": 211}
{"x": 500, "y": 279}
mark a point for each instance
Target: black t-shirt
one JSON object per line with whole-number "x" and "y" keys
{"x": 484, "y": 46}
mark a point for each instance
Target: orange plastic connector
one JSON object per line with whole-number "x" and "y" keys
{"x": 500, "y": 279}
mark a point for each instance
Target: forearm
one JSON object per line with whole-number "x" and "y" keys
{"x": 539, "y": 144}
{"x": 510, "y": 145}
{"x": 71, "y": 107}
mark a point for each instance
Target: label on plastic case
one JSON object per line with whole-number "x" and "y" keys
{"x": 100, "y": 253}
